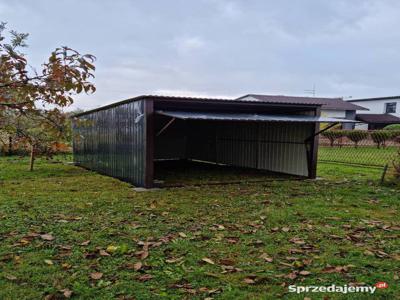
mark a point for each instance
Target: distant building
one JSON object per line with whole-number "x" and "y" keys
{"x": 383, "y": 111}
{"x": 331, "y": 107}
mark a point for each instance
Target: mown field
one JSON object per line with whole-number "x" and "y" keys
{"x": 69, "y": 233}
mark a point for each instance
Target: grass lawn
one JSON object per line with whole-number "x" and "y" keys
{"x": 369, "y": 155}
{"x": 66, "y": 230}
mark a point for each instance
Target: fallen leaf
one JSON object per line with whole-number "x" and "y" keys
{"x": 103, "y": 253}
{"x": 266, "y": 257}
{"x": 173, "y": 260}
{"x": 24, "y": 241}
{"x": 47, "y": 237}
{"x": 220, "y": 227}
{"x": 297, "y": 241}
{"x": 66, "y": 266}
{"x": 369, "y": 253}
{"x": 232, "y": 240}
{"x": 182, "y": 235}
{"x": 337, "y": 269}
{"x": 137, "y": 266}
{"x": 207, "y": 260}
{"x": 145, "y": 277}
{"x": 142, "y": 254}
{"x": 293, "y": 251}
{"x": 10, "y": 277}
{"x": 96, "y": 275}
{"x": 381, "y": 254}
{"x": 227, "y": 262}
{"x": 67, "y": 293}
{"x": 85, "y": 243}
{"x": 285, "y": 229}
{"x": 292, "y": 275}
{"x": 49, "y": 262}
{"x": 304, "y": 273}
{"x": 248, "y": 280}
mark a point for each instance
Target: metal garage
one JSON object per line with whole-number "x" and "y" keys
{"x": 124, "y": 139}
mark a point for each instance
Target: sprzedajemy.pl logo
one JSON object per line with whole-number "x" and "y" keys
{"x": 343, "y": 289}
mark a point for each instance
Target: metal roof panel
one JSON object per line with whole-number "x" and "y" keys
{"x": 218, "y": 116}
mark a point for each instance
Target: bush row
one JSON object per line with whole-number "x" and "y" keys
{"x": 379, "y": 137}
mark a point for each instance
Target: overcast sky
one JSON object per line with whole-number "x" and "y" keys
{"x": 220, "y": 47}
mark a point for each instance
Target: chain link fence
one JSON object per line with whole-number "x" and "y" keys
{"x": 375, "y": 148}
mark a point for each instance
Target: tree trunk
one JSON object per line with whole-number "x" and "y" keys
{"x": 10, "y": 150}
{"x": 32, "y": 160}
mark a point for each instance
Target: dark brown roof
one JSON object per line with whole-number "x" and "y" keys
{"x": 190, "y": 99}
{"x": 377, "y": 98}
{"x": 327, "y": 103}
{"x": 378, "y": 118}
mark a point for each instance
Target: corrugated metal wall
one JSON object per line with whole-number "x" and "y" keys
{"x": 113, "y": 142}
{"x": 277, "y": 147}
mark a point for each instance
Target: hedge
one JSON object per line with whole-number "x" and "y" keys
{"x": 356, "y": 136}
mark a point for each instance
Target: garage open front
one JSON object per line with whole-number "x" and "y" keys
{"x": 269, "y": 146}
{"x": 125, "y": 139}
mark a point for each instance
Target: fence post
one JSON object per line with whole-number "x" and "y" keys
{"x": 384, "y": 173}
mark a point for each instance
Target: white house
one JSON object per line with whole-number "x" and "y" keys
{"x": 382, "y": 112}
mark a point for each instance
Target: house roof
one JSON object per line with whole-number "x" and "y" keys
{"x": 327, "y": 103}
{"x": 378, "y": 118}
{"x": 373, "y": 99}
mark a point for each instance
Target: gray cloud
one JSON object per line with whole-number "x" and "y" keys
{"x": 221, "y": 47}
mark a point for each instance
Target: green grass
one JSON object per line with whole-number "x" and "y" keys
{"x": 344, "y": 219}
{"x": 368, "y": 155}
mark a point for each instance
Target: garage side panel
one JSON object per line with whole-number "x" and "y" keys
{"x": 237, "y": 144}
{"x": 113, "y": 142}
{"x": 282, "y": 148}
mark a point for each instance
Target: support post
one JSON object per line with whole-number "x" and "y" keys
{"x": 313, "y": 152}
{"x": 149, "y": 168}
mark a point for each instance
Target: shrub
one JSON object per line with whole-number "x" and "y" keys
{"x": 392, "y": 127}
{"x": 395, "y": 136}
{"x": 356, "y": 136}
{"x": 381, "y": 136}
{"x": 332, "y": 135}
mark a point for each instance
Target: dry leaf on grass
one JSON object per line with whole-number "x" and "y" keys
{"x": 67, "y": 293}
{"x": 249, "y": 280}
{"x": 49, "y": 262}
{"x": 145, "y": 277}
{"x": 47, "y": 237}
{"x": 338, "y": 269}
{"x": 266, "y": 257}
{"x": 227, "y": 262}
{"x": 207, "y": 260}
{"x": 137, "y": 266}
{"x": 103, "y": 253}
{"x": 10, "y": 277}
{"x": 96, "y": 275}
{"x": 304, "y": 273}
